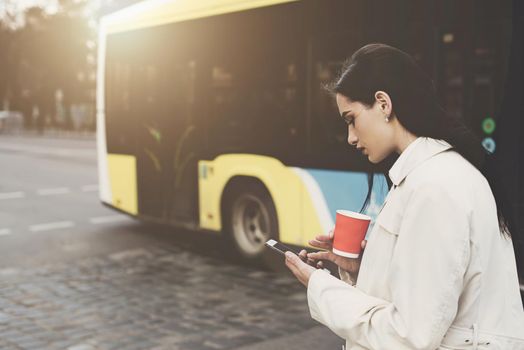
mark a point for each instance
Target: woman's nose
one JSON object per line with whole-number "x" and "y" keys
{"x": 352, "y": 139}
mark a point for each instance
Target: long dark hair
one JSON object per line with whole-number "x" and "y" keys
{"x": 379, "y": 67}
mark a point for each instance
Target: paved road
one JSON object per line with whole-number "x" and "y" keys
{"x": 76, "y": 275}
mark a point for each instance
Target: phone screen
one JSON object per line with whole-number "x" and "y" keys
{"x": 279, "y": 247}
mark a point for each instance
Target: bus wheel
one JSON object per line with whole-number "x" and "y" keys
{"x": 251, "y": 220}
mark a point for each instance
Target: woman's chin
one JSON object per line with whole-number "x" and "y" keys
{"x": 374, "y": 159}
{"x": 370, "y": 159}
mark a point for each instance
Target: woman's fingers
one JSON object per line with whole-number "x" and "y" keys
{"x": 319, "y": 244}
{"x": 320, "y": 256}
{"x": 311, "y": 262}
{"x": 324, "y": 238}
{"x": 303, "y": 255}
{"x": 301, "y": 270}
{"x": 291, "y": 265}
{"x": 322, "y": 242}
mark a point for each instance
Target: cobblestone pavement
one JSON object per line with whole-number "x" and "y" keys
{"x": 152, "y": 298}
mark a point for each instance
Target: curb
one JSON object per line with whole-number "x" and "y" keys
{"x": 52, "y": 134}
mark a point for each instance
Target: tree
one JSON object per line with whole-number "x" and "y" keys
{"x": 48, "y": 52}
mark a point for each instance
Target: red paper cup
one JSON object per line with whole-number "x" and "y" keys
{"x": 350, "y": 231}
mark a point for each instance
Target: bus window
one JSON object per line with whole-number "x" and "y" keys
{"x": 327, "y": 131}
{"x": 120, "y": 121}
{"x": 256, "y": 85}
{"x": 330, "y": 129}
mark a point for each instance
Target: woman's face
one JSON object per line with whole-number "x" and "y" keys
{"x": 368, "y": 130}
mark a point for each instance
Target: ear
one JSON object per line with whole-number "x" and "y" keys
{"x": 384, "y": 102}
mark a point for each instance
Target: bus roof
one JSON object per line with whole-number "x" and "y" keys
{"x": 156, "y": 12}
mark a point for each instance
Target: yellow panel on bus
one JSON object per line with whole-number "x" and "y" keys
{"x": 122, "y": 179}
{"x": 297, "y": 217}
{"x": 154, "y": 12}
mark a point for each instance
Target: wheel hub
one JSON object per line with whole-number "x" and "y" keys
{"x": 250, "y": 224}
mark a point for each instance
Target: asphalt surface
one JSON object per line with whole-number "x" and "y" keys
{"x": 76, "y": 275}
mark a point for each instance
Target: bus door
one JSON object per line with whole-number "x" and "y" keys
{"x": 163, "y": 103}
{"x": 187, "y": 146}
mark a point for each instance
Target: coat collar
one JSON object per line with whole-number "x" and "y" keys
{"x": 415, "y": 154}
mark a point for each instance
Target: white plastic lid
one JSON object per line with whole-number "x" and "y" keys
{"x": 353, "y": 214}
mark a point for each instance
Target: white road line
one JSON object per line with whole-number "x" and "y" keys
{"x": 53, "y": 191}
{"x": 52, "y": 151}
{"x": 5, "y": 232}
{"x": 12, "y": 195}
{"x": 107, "y": 219}
{"x": 89, "y": 188}
{"x": 51, "y": 226}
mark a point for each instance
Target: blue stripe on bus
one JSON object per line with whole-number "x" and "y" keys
{"x": 348, "y": 190}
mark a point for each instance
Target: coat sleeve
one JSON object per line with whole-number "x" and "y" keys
{"x": 425, "y": 280}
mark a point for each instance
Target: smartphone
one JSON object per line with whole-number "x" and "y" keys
{"x": 279, "y": 247}
{"x": 282, "y": 249}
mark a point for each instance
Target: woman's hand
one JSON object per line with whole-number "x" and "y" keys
{"x": 352, "y": 266}
{"x": 300, "y": 269}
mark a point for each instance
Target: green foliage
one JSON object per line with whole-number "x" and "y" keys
{"x": 48, "y": 52}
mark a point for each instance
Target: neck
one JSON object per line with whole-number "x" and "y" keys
{"x": 405, "y": 141}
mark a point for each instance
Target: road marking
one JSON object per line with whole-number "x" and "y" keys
{"x": 51, "y": 226}
{"x": 12, "y": 195}
{"x": 107, "y": 219}
{"x": 89, "y": 188}
{"x": 5, "y": 231}
{"x": 53, "y": 191}
{"x": 9, "y": 271}
{"x": 52, "y": 151}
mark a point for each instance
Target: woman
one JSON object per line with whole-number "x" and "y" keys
{"x": 439, "y": 268}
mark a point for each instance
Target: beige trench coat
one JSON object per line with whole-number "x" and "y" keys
{"x": 436, "y": 272}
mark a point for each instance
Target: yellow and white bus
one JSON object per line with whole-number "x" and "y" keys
{"x": 211, "y": 113}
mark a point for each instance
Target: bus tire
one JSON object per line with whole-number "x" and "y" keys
{"x": 250, "y": 219}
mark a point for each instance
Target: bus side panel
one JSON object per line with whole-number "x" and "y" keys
{"x": 122, "y": 178}
{"x": 282, "y": 183}
{"x": 306, "y": 200}
{"x": 332, "y": 190}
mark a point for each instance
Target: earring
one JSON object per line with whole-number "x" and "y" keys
{"x": 387, "y": 119}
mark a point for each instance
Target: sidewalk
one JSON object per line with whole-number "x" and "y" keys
{"x": 316, "y": 338}
{"x": 52, "y": 133}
